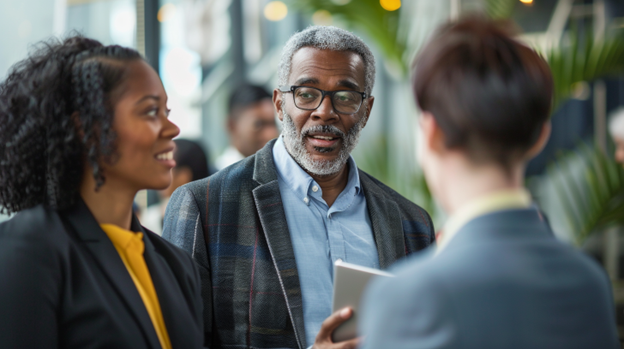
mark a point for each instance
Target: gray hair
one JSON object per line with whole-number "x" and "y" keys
{"x": 616, "y": 123}
{"x": 327, "y": 38}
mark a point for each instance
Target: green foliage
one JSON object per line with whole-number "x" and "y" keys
{"x": 365, "y": 16}
{"x": 499, "y": 9}
{"x": 584, "y": 59}
{"x": 592, "y": 200}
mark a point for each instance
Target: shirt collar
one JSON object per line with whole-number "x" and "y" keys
{"x": 299, "y": 180}
{"x": 492, "y": 202}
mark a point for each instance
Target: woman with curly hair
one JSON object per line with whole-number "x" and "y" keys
{"x": 83, "y": 127}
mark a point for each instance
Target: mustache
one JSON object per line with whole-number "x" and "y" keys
{"x": 323, "y": 129}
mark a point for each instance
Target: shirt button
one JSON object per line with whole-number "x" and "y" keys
{"x": 315, "y": 188}
{"x": 306, "y": 200}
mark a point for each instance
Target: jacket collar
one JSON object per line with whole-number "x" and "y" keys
{"x": 386, "y": 222}
{"x": 273, "y": 220}
{"x": 502, "y": 225}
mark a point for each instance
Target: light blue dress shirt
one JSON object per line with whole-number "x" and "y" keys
{"x": 321, "y": 234}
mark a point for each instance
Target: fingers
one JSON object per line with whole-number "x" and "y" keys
{"x": 350, "y": 344}
{"x": 329, "y": 325}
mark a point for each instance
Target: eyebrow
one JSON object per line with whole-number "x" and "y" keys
{"x": 157, "y": 98}
{"x": 314, "y": 81}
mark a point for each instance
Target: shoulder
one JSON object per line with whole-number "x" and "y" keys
{"x": 415, "y": 219}
{"x": 403, "y": 203}
{"x": 34, "y": 241}
{"x": 34, "y": 224}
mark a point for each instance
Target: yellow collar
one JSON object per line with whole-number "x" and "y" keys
{"x": 496, "y": 201}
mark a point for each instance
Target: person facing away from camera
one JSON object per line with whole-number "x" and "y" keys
{"x": 250, "y": 123}
{"x": 498, "y": 277}
{"x": 267, "y": 230}
{"x": 84, "y": 127}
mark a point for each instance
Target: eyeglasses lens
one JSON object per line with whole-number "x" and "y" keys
{"x": 346, "y": 102}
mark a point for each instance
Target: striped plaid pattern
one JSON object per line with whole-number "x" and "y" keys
{"x": 234, "y": 226}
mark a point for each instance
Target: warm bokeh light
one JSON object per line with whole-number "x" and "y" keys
{"x": 526, "y": 1}
{"x": 390, "y": 5}
{"x": 166, "y": 12}
{"x": 322, "y": 17}
{"x": 275, "y": 11}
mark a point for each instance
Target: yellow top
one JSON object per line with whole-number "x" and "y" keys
{"x": 130, "y": 247}
{"x": 496, "y": 201}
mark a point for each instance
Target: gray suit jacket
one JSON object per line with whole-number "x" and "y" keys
{"x": 503, "y": 281}
{"x": 233, "y": 224}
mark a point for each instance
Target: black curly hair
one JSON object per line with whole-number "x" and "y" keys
{"x": 56, "y": 112}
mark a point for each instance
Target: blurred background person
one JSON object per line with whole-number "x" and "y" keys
{"x": 498, "y": 278}
{"x": 84, "y": 128}
{"x": 191, "y": 165}
{"x": 616, "y": 129}
{"x": 250, "y": 124}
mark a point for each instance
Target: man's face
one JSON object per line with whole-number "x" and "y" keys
{"x": 321, "y": 140}
{"x": 253, "y": 127}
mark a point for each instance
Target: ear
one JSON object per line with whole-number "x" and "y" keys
{"x": 539, "y": 145}
{"x": 277, "y": 103}
{"x": 433, "y": 138}
{"x": 369, "y": 106}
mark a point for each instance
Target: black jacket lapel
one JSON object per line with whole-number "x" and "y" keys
{"x": 167, "y": 288}
{"x": 386, "y": 221}
{"x": 273, "y": 220}
{"x": 95, "y": 239}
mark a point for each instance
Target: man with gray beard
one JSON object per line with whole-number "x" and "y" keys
{"x": 266, "y": 231}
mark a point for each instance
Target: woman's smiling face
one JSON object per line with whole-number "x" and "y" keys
{"x": 144, "y": 143}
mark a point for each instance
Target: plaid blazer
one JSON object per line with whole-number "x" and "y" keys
{"x": 234, "y": 226}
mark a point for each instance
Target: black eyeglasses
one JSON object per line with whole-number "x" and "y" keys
{"x": 310, "y": 98}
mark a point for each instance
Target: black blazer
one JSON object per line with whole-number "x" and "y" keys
{"x": 63, "y": 285}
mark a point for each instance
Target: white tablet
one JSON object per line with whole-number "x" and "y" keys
{"x": 350, "y": 280}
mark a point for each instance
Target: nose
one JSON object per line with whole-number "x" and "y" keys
{"x": 325, "y": 111}
{"x": 170, "y": 130}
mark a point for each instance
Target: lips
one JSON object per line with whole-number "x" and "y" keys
{"x": 323, "y": 140}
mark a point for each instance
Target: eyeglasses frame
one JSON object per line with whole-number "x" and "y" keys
{"x": 286, "y": 89}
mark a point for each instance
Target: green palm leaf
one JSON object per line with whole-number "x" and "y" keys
{"x": 591, "y": 194}
{"x": 368, "y": 17}
{"x": 499, "y": 9}
{"x": 587, "y": 61}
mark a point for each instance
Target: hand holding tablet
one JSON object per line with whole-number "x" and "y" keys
{"x": 350, "y": 280}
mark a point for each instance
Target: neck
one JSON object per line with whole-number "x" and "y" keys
{"x": 464, "y": 182}
{"x": 111, "y": 204}
{"x": 332, "y": 185}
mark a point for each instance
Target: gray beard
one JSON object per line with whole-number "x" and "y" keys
{"x": 295, "y": 145}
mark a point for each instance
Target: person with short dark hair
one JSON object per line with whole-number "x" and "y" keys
{"x": 83, "y": 128}
{"x": 498, "y": 278}
{"x": 250, "y": 124}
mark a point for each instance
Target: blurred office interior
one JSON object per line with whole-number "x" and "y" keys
{"x": 204, "y": 48}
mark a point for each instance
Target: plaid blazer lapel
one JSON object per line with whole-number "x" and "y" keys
{"x": 386, "y": 221}
{"x": 273, "y": 220}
